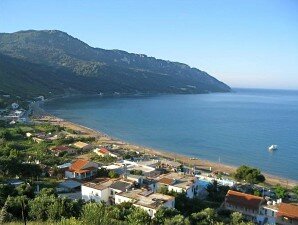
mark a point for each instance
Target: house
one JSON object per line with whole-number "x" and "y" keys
{"x": 81, "y": 169}
{"x": 170, "y": 164}
{"x": 146, "y": 200}
{"x": 97, "y": 190}
{"x": 287, "y": 214}
{"x": 104, "y": 152}
{"x": 138, "y": 179}
{"x": 120, "y": 186}
{"x": 249, "y": 205}
{"x": 127, "y": 165}
{"x": 179, "y": 183}
{"x": 144, "y": 166}
{"x": 104, "y": 189}
{"x": 63, "y": 148}
{"x": 82, "y": 145}
{"x": 268, "y": 212}
{"x": 40, "y": 137}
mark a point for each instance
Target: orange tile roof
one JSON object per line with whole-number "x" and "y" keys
{"x": 288, "y": 210}
{"x": 244, "y": 200}
{"x": 104, "y": 151}
{"x": 167, "y": 181}
{"x": 78, "y": 165}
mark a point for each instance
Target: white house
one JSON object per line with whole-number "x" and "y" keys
{"x": 104, "y": 189}
{"x": 81, "y": 169}
{"x": 97, "y": 190}
{"x": 147, "y": 200}
{"x": 179, "y": 183}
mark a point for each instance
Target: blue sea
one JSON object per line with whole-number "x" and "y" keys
{"x": 235, "y": 128}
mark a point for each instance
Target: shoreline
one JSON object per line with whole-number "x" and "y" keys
{"x": 203, "y": 164}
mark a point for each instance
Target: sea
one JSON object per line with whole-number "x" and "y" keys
{"x": 232, "y": 128}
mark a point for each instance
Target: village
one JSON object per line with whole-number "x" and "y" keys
{"x": 89, "y": 167}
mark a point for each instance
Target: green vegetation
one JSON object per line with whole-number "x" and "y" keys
{"x": 136, "y": 172}
{"x": 105, "y": 160}
{"x": 248, "y": 174}
{"x": 295, "y": 190}
{"x": 280, "y": 191}
{"x": 216, "y": 192}
{"x": 52, "y": 63}
{"x": 46, "y": 208}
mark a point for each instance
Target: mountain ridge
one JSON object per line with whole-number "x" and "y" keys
{"x": 109, "y": 70}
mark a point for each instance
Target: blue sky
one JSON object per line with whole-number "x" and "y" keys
{"x": 246, "y": 43}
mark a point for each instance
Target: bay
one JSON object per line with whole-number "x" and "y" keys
{"x": 235, "y": 128}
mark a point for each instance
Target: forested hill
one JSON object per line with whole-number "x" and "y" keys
{"x": 51, "y": 62}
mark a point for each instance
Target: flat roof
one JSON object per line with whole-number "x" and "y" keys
{"x": 177, "y": 180}
{"x": 121, "y": 185}
{"x": 146, "y": 198}
{"x": 99, "y": 183}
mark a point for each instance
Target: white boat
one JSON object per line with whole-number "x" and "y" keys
{"x": 272, "y": 147}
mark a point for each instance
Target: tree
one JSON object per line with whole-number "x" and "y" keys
{"x": 40, "y": 204}
{"x": 216, "y": 192}
{"x": 17, "y": 207}
{"x": 95, "y": 214}
{"x": 136, "y": 172}
{"x": 295, "y": 190}
{"x": 236, "y": 218}
{"x": 164, "y": 213}
{"x": 5, "y": 191}
{"x": 103, "y": 172}
{"x": 280, "y": 191}
{"x": 204, "y": 217}
{"x": 138, "y": 217}
{"x": 26, "y": 190}
{"x": 257, "y": 192}
{"x": 4, "y": 215}
{"x": 177, "y": 220}
{"x": 113, "y": 174}
{"x": 187, "y": 205}
{"x": 250, "y": 175}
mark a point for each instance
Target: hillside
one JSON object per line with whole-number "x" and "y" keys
{"x": 51, "y": 62}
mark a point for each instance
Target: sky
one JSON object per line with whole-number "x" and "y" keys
{"x": 246, "y": 43}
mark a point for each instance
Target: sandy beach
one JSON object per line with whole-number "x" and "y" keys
{"x": 202, "y": 164}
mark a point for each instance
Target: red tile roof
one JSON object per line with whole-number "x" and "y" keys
{"x": 104, "y": 151}
{"x": 288, "y": 210}
{"x": 244, "y": 200}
